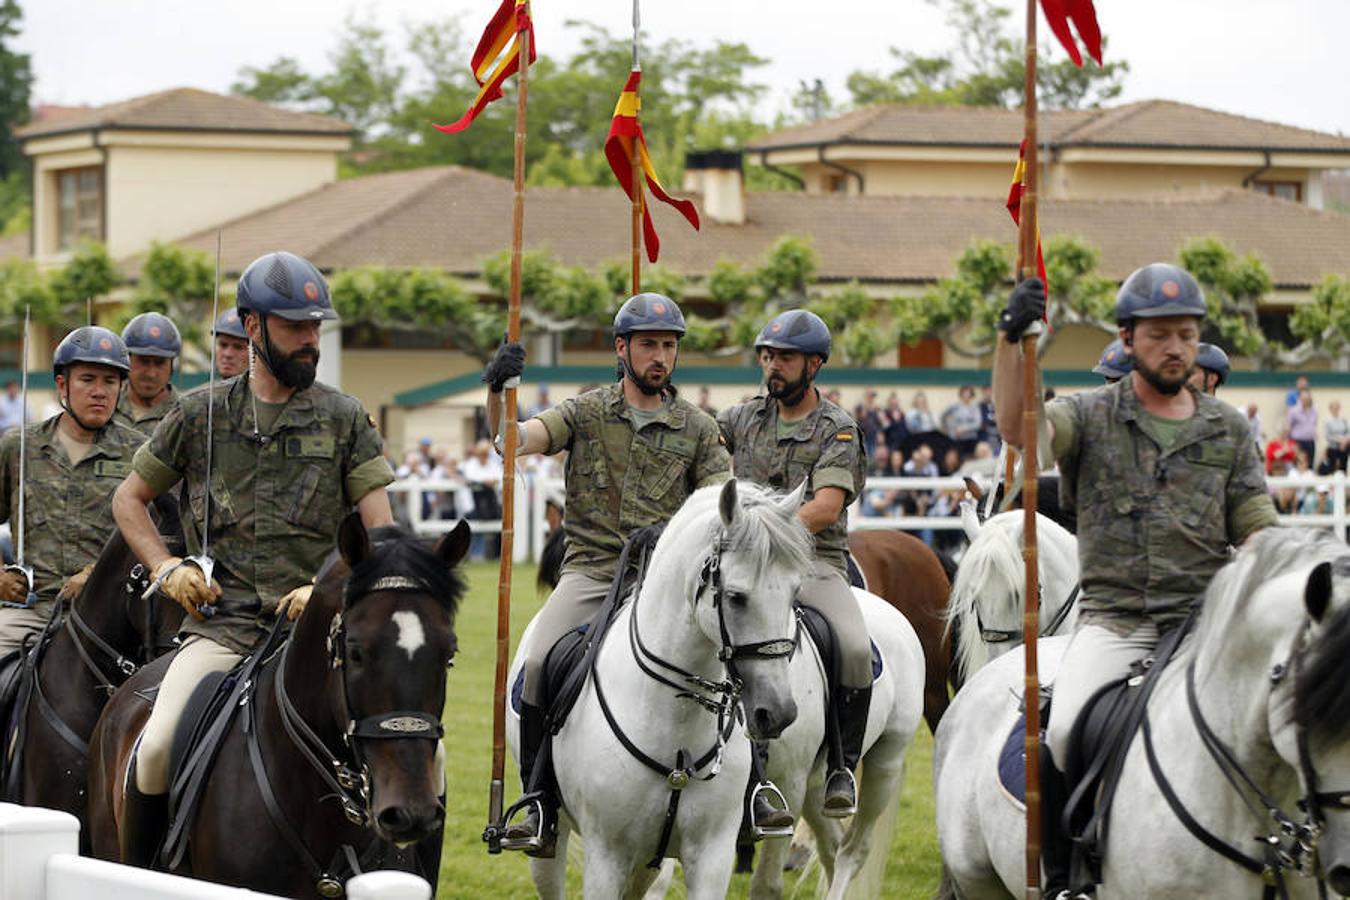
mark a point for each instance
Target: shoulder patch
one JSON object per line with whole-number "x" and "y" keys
{"x": 844, "y": 436}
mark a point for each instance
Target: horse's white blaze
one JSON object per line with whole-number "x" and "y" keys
{"x": 410, "y": 632}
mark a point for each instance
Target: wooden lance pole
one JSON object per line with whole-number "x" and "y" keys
{"x": 495, "y": 789}
{"x": 1028, "y": 239}
{"x": 635, "y": 160}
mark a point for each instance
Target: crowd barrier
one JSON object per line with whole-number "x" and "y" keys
{"x": 39, "y": 860}
{"x": 532, "y": 493}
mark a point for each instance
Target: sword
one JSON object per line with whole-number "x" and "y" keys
{"x": 203, "y": 560}
{"x": 19, "y": 565}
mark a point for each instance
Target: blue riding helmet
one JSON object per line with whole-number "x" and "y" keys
{"x": 1213, "y": 359}
{"x": 152, "y": 334}
{"x": 284, "y": 285}
{"x": 796, "y": 329}
{"x": 1156, "y": 290}
{"x": 1116, "y": 361}
{"x": 91, "y": 344}
{"x": 230, "y": 325}
{"x": 648, "y": 312}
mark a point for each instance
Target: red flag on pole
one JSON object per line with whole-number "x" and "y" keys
{"x": 490, "y": 66}
{"x": 1059, "y": 13}
{"x": 1015, "y": 191}
{"x": 623, "y": 130}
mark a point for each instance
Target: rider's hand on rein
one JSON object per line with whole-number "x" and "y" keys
{"x": 186, "y": 585}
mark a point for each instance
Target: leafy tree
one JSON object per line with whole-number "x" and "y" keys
{"x": 180, "y": 283}
{"x": 424, "y": 300}
{"x": 987, "y": 67}
{"x": 1324, "y": 323}
{"x": 90, "y": 273}
{"x": 16, "y": 83}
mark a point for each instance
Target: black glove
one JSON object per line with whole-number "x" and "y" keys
{"x": 1026, "y": 305}
{"x": 508, "y": 363}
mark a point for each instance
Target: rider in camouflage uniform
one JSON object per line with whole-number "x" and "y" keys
{"x": 75, "y": 461}
{"x": 1116, "y": 362}
{"x": 231, "y": 344}
{"x": 792, "y": 435}
{"x": 153, "y": 342}
{"x": 1164, "y": 479}
{"x": 636, "y": 450}
{"x": 1211, "y": 369}
{"x": 290, "y": 457}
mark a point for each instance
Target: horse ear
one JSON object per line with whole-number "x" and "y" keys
{"x": 454, "y": 544}
{"x": 726, "y": 504}
{"x": 970, "y": 519}
{"x": 1317, "y": 593}
{"x": 353, "y": 542}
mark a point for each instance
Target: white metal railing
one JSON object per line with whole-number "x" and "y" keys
{"x": 532, "y": 492}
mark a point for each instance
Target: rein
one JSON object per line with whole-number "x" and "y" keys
{"x": 723, "y": 702}
{"x": 999, "y": 636}
{"x": 1288, "y": 845}
{"x": 347, "y": 779}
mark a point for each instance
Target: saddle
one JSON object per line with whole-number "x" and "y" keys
{"x": 18, "y": 689}
{"x": 822, "y": 634}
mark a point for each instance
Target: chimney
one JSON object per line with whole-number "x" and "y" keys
{"x": 716, "y": 174}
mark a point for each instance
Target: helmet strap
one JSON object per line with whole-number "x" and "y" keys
{"x": 626, "y": 369}
{"x": 68, "y": 408}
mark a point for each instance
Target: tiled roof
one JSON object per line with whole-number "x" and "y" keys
{"x": 456, "y": 218}
{"x": 1148, "y": 123}
{"x": 187, "y": 109}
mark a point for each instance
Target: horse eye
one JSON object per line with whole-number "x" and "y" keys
{"x": 738, "y": 598}
{"x": 355, "y": 654}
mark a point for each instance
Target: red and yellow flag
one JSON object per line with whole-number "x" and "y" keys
{"x": 492, "y": 61}
{"x": 1059, "y": 13}
{"x": 623, "y": 130}
{"x": 1015, "y": 191}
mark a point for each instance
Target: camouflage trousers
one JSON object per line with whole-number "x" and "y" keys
{"x": 1095, "y": 656}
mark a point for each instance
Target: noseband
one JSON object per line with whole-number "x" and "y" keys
{"x": 1001, "y": 635}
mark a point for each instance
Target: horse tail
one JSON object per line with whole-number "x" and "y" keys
{"x": 551, "y": 560}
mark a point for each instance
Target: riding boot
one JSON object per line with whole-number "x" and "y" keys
{"x": 1056, "y": 845}
{"x": 537, "y": 832}
{"x": 845, "y": 749}
{"x": 145, "y": 819}
{"x": 768, "y": 815}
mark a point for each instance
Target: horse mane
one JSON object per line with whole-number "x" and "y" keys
{"x": 765, "y": 531}
{"x": 394, "y": 551}
{"x": 989, "y": 560}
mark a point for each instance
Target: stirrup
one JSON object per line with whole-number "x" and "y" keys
{"x": 535, "y": 842}
{"x": 769, "y": 792}
{"x": 841, "y": 812}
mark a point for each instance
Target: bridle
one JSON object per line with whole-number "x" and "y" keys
{"x": 1289, "y": 844}
{"x": 345, "y": 773}
{"x": 721, "y": 698}
{"x": 1002, "y": 635}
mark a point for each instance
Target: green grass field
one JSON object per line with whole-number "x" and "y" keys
{"x": 467, "y": 871}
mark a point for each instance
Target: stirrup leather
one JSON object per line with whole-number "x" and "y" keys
{"x": 535, "y": 801}
{"x": 836, "y": 812}
{"x": 769, "y": 792}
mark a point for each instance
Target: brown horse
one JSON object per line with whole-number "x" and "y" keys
{"x": 333, "y": 757}
{"x": 907, "y": 574}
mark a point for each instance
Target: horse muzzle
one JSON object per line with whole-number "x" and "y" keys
{"x": 766, "y": 721}
{"x": 406, "y": 823}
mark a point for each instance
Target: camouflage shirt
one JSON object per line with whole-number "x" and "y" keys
{"x": 824, "y": 450}
{"x": 277, "y": 497}
{"x": 1154, "y": 524}
{"x": 67, "y": 508}
{"x": 126, "y": 413}
{"x": 620, "y": 478}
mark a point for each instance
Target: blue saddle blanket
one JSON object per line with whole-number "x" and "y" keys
{"x": 1012, "y": 760}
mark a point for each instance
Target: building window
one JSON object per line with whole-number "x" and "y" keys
{"x": 836, "y": 184}
{"x": 1285, "y": 190}
{"x": 80, "y": 215}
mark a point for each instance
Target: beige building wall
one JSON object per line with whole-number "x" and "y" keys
{"x": 1106, "y": 180}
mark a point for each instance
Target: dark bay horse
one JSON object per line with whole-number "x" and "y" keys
{"x": 910, "y": 576}
{"x": 333, "y": 755}
{"x": 107, "y": 633}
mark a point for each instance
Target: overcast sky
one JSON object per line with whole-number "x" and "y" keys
{"x": 1283, "y": 61}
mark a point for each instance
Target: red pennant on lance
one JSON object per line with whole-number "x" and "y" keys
{"x": 1059, "y": 13}
{"x": 623, "y": 130}
{"x": 1015, "y": 191}
{"x": 493, "y": 62}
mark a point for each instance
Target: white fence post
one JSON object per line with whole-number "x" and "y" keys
{"x": 28, "y": 838}
{"x": 388, "y": 886}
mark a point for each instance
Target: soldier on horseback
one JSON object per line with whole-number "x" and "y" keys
{"x": 1164, "y": 479}
{"x": 231, "y": 344}
{"x": 1211, "y": 369}
{"x": 291, "y": 458}
{"x": 788, "y": 436}
{"x": 636, "y": 451}
{"x": 76, "y": 460}
{"x": 154, "y": 344}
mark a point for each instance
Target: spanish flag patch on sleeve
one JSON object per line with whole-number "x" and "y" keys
{"x": 844, "y": 436}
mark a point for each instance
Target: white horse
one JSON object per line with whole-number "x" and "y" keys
{"x": 1268, "y": 671}
{"x": 985, "y": 608}
{"x": 710, "y": 631}
{"x": 797, "y": 761}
